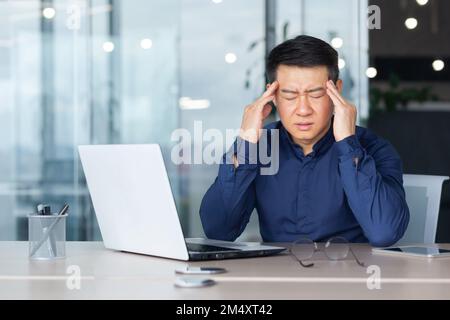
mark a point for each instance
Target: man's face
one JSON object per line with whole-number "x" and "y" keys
{"x": 304, "y": 107}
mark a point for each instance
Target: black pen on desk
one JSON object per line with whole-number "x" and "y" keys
{"x": 63, "y": 210}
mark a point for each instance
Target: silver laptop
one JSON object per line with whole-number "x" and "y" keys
{"x": 135, "y": 209}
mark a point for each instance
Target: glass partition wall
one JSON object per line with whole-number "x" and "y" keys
{"x": 79, "y": 72}
{"x": 115, "y": 71}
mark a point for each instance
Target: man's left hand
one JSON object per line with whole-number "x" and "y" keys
{"x": 344, "y": 124}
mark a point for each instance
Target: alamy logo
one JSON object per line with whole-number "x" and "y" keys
{"x": 374, "y": 280}
{"x": 73, "y": 21}
{"x": 374, "y": 18}
{"x": 191, "y": 149}
{"x": 74, "y": 279}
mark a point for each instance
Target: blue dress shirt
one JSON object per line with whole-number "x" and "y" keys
{"x": 352, "y": 188}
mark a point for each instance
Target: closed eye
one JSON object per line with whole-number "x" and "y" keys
{"x": 316, "y": 94}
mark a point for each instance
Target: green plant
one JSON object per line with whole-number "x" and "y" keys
{"x": 395, "y": 97}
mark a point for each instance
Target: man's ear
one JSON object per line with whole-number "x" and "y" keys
{"x": 339, "y": 85}
{"x": 268, "y": 85}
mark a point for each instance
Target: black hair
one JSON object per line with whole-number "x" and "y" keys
{"x": 303, "y": 51}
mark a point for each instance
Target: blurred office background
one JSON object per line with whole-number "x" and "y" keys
{"x": 409, "y": 93}
{"x": 116, "y": 71}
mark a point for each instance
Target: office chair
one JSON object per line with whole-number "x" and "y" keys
{"x": 423, "y": 195}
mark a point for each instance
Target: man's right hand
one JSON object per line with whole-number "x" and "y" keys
{"x": 255, "y": 113}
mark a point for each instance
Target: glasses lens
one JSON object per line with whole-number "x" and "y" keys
{"x": 337, "y": 248}
{"x": 303, "y": 248}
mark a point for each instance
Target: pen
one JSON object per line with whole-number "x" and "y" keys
{"x": 49, "y": 229}
{"x": 44, "y": 210}
{"x": 52, "y": 236}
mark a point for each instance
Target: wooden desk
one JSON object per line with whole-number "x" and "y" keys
{"x": 107, "y": 274}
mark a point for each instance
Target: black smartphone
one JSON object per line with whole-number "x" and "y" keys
{"x": 200, "y": 270}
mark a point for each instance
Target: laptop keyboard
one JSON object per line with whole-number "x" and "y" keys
{"x": 206, "y": 248}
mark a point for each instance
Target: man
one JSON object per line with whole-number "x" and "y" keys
{"x": 334, "y": 178}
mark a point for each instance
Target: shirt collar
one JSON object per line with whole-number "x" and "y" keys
{"x": 319, "y": 147}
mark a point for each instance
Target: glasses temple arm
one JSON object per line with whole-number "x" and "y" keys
{"x": 356, "y": 258}
{"x": 300, "y": 261}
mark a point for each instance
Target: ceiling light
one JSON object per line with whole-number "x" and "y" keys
{"x": 438, "y": 65}
{"x": 108, "y": 46}
{"x": 48, "y": 13}
{"x": 146, "y": 43}
{"x": 187, "y": 103}
{"x": 422, "y": 2}
{"x": 411, "y": 23}
{"x": 337, "y": 42}
{"x": 371, "y": 72}
{"x": 230, "y": 58}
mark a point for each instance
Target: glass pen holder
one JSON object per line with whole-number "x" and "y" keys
{"x": 47, "y": 236}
